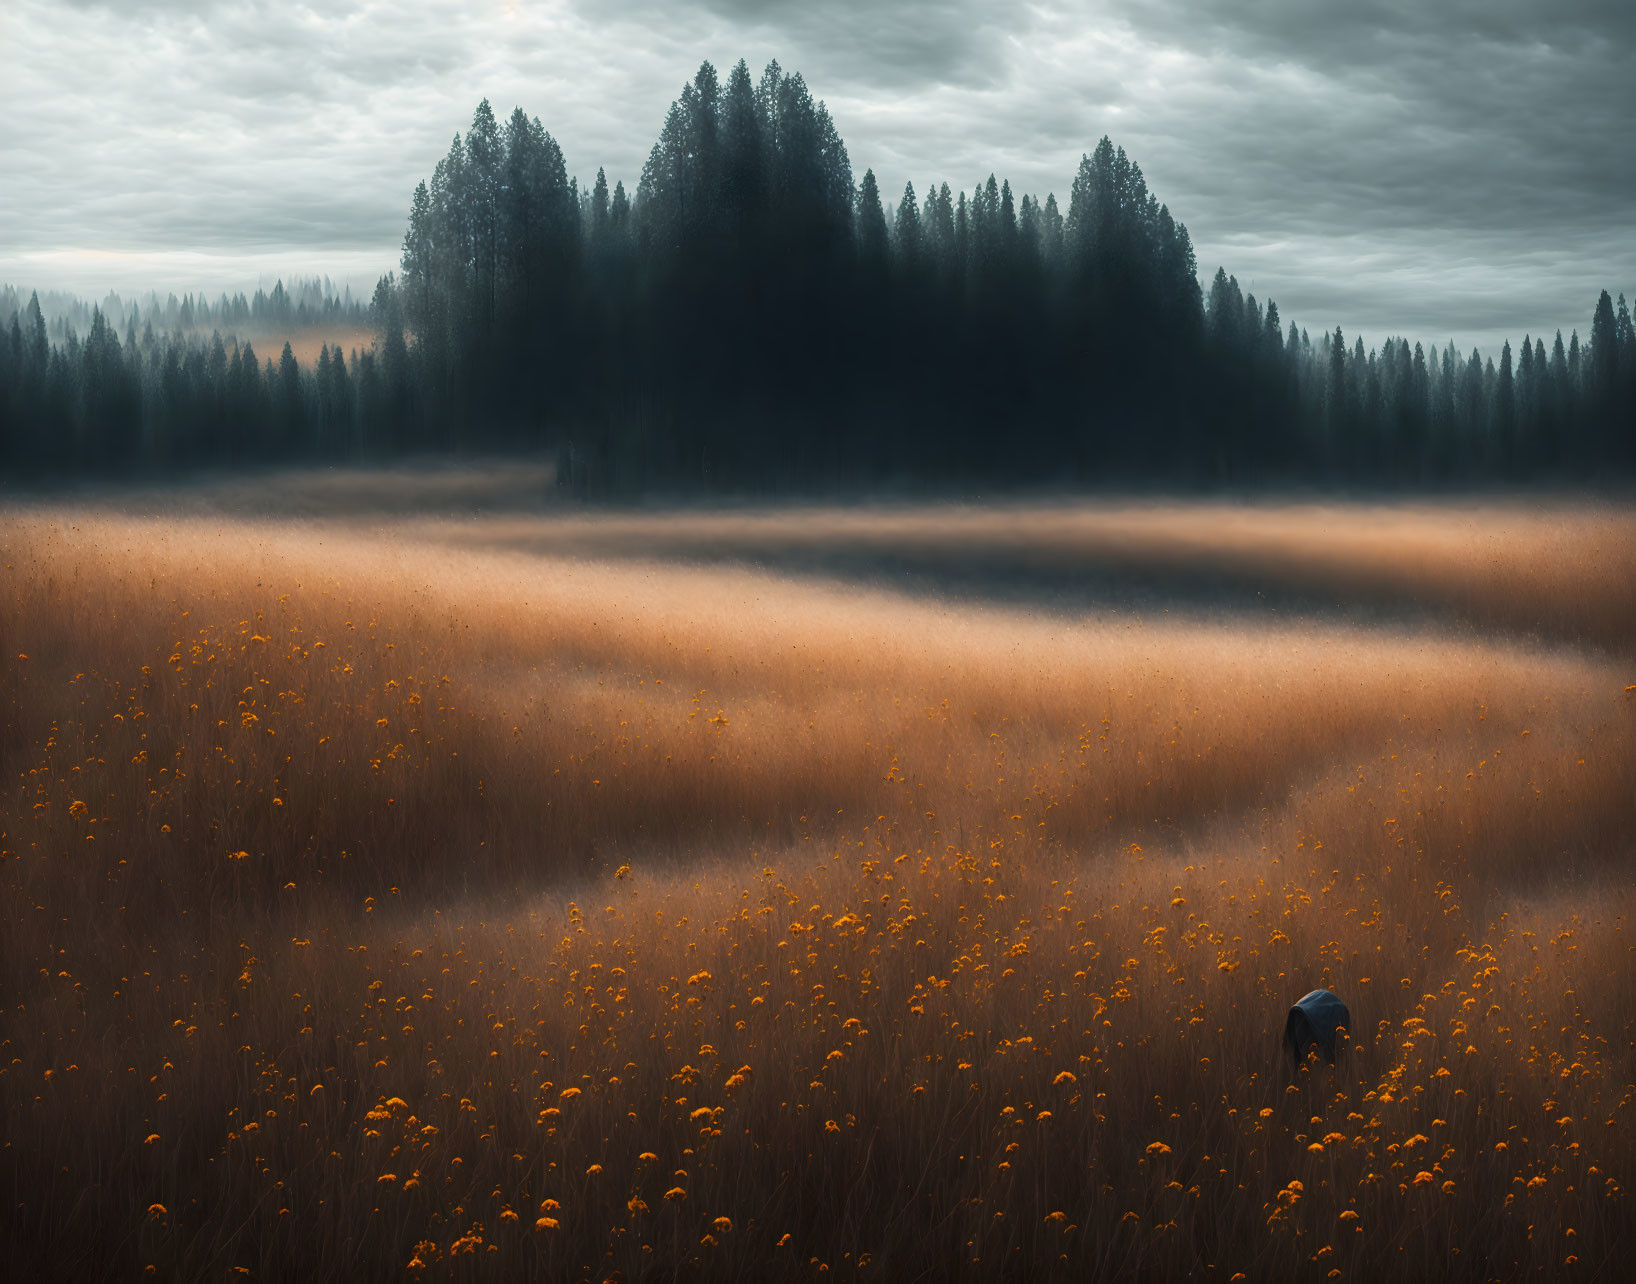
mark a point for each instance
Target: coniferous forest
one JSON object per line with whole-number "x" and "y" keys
{"x": 754, "y": 315}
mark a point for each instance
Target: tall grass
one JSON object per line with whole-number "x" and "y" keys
{"x": 376, "y": 902}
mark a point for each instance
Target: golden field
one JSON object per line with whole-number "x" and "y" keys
{"x": 884, "y": 893}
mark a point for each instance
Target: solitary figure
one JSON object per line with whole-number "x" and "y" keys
{"x": 1315, "y": 1021}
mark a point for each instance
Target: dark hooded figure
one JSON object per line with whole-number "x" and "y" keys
{"x": 1315, "y": 1021}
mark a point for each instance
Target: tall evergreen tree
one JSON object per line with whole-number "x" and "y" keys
{"x": 906, "y": 230}
{"x": 1051, "y": 233}
{"x": 1604, "y": 354}
{"x": 1504, "y": 422}
{"x": 1335, "y": 392}
{"x": 872, "y": 246}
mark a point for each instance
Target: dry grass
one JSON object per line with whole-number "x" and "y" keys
{"x": 374, "y": 901}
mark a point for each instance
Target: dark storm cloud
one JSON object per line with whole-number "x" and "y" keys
{"x": 1457, "y": 168}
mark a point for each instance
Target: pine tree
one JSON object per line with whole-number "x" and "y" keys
{"x": 1272, "y": 342}
{"x": 289, "y": 401}
{"x": 1030, "y": 248}
{"x": 1089, "y": 226}
{"x": 324, "y": 427}
{"x": 341, "y": 398}
{"x": 12, "y": 409}
{"x": 1604, "y": 353}
{"x": 1335, "y": 393}
{"x": 1504, "y": 420}
{"x": 485, "y": 155}
{"x": 1226, "y": 312}
{"x": 937, "y": 222}
{"x": 872, "y": 243}
{"x": 1418, "y": 411}
{"x": 704, "y": 107}
{"x": 1528, "y": 382}
{"x": 1559, "y": 389}
{"x": 1470, "y": 404}
{"x": 598, "y": 222}
{"x": 1051, "y": 233}
{"x": 1573, "y": 393}
{"x": 539, "y": 233}
{"x": 906, "y": 230}
{"x": 1007, "y": 232}
{"x": 1622, "y": 425}
{"x": 250, "y": 396}
{"x": 984, "y": 217}
{"x": 36, "y": 347}
{"x": 743, "y": 179}
{"x": 417, "y": 261}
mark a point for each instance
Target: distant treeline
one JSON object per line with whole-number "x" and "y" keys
{"x": 306, "y": 301}
{"x": 95, "y": 404}
{"x": 752, "y": 316}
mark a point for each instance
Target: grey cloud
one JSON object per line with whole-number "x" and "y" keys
{"x": 1462, "y": 100}
{"x": 887, "y": 46}
{"x": 1378, "y": 30}
{"x": 1455, "y": 168}
{"x": 146, "y": 7}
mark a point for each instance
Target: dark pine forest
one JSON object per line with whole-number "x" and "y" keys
{"x": 754, "y": 316}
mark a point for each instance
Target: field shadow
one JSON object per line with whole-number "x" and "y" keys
{"x": 1056, "y": 582}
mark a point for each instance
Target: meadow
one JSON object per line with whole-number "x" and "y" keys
{"x": 505, "y": 890}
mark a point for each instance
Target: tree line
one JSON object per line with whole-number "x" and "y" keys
{"x": 306, "y": 301}
{"x": 754, "y": 316}
{"x": 99, "y": 405}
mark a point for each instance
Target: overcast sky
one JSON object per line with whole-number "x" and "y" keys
{"x": 1435, "y": 168}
